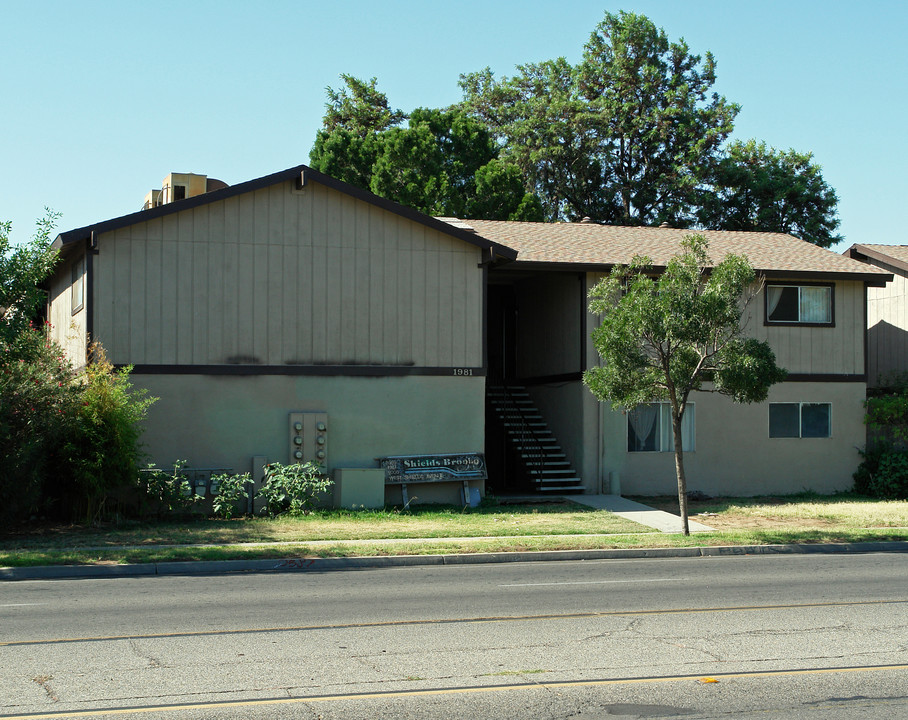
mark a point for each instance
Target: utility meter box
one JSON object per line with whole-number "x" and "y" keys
{"x": 309, "y": 438}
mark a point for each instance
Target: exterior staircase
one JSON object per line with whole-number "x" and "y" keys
{"x": 544, "y": 463}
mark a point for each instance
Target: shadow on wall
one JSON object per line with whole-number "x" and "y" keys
{"x": 887, "y": 354}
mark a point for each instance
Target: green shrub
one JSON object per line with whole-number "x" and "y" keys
{"x": 293, "y": 489}
{"x": 103, "y": 452}
{"x": 231, "y": 490}
{"x": 38, "y": 403}
{"x": 163, "y": 491}
{"x": 883, "y": 473}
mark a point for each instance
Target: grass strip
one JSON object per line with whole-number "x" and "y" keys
{"x": 436, "y": 546}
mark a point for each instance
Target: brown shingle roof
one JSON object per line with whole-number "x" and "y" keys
{"x": 892, "y": 255}
{"x": 591, "y": 246}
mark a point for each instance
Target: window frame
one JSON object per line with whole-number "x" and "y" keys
{"x": 799, "y": 285}
{"x": 77, "y": 285}
{"x": 689, "y": 412}
{"x": 800, "y": 435}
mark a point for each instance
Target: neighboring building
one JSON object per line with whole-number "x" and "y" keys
{"x": 180, "y": 186}
{"x": 887, "y": 313}
{"x": 296, "y": 298}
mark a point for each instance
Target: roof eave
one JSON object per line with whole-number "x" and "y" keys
{"x": 875, "y": 279}
{"x": 862, "y": 253}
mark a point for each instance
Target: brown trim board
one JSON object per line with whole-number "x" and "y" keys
{"x": 313, "y": 370}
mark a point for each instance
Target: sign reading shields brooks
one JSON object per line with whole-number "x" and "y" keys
{"x": 434, "y": 468}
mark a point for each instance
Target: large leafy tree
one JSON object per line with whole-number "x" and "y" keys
{"x": 624, "y": 137}
{"x": 758, "y": 188}
{"x": 346, "y": 147}
{"x": 663, "y": 337}
{"x": 443, "y": 162}
{"x": 22, "y": 269}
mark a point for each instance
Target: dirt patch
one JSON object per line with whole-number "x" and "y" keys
{"x": 713, "y": 512}
{"x": 728, "y": 521}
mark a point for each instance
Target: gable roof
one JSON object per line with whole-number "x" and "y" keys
{"x": 301, "y": 174}
{"x": 893, "y": 255}
{"x": 592, "y": 246}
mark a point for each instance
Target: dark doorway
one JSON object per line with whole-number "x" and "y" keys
{"x": 505, "y": 475}
{"x": 502, "y": 334}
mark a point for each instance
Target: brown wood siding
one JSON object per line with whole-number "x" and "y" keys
{"x": 280, "y": 276}
{"x": 67, "y": 328}
{"x": 837, "y": 350}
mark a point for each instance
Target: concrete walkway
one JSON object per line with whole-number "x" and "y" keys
{"x": 643, "y": 514}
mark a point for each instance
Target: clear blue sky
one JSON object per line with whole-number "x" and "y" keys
{"x": 102, "y": 99}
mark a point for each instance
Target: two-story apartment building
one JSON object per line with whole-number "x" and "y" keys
{"x": 254, "y": 309}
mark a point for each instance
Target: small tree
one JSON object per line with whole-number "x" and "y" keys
{"x": 663, "y": 337}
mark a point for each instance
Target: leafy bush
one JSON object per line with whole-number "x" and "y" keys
{"x": 293, "y": 488}
{"x": 164, "y": 491}
{"x": 887, "y": 416}
{"x": 103, "y": 452}
{"x": 231, "y": 491}
{"x": 38, "y": 403}
{"x": 883, "y": 473}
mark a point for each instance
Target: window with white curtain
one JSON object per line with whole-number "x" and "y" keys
{"x": 801, "y": 304}
{"x": 649, "y": 428}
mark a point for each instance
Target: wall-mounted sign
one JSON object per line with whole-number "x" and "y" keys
{"x": 457, "y": 467}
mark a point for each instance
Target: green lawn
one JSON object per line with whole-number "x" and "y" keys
{"x": 492, "y": 527}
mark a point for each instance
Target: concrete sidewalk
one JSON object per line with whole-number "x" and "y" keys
{"x": 639, "y": 513}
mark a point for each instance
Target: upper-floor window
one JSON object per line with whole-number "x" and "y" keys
{"x": 799, "y": 304}
{"x": 77, "y": 301}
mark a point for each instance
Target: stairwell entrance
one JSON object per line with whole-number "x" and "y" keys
{"x": 522, "y": 453}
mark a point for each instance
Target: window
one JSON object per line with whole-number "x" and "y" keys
{"x": 800, "y": 420}
{"x": 78, "y": 285}
{"x": 799, "y": 304}
{"x": 649, "y": 428}
{"x": 179, "y": 192}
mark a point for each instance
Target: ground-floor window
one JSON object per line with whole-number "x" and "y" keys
{"x": 649, "y": 428}
{"x": 800, "y": 420}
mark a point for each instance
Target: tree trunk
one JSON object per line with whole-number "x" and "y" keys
{"x": 679, "y": 472}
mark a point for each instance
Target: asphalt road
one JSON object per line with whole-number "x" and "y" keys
{"x": 769, "y": 637}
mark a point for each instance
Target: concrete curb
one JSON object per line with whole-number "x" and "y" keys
{"x": 51, "y": 572}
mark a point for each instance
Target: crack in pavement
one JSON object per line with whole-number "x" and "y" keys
{"x": 44, "y": 682}
{"x": 153, "y": 662}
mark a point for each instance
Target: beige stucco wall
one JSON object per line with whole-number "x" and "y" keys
{"x": 887, "y": 328}
{"x": 68, "y": 328}
{"x": 734, "y": 454}
{"x": 285, "y": 276}
{"x": 225, "y": 421}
